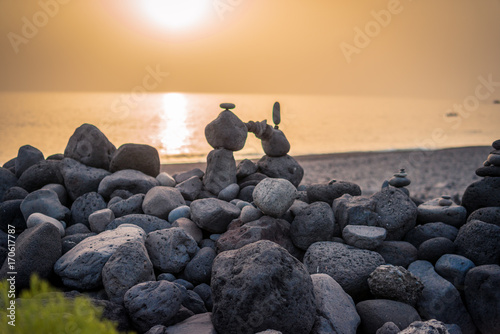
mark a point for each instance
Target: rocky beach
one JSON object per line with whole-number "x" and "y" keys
{"x": 369, "y": 243}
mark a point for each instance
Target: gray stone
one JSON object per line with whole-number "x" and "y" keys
{"x": 98, "y": 220}
{"x": 70, "y": 241}
{"x": 11, "y": 214}
{"x": 186, "y": 284}
{"x": 482, "y": 296}
{"x": 297, "y": 206}
{"x": 167, "y": 277}
{"x": 331, "y": 191}
{"x": 335, "y": 309}
{"x": 181, "y": 177}
{"x": 431, "y": 212}
{"x": 159, "y": 201}
{"x": 146, "y": 222}
{"x": 153, "y": 303}
{"x": 166, "y": 180}
{"x": 77, "y": 228}
{"x": 7, "y": 181}
{"x": 395, "y": 283}
{"x": 488, "y": 215}
{"x": 375, "y": 313}
{"x": 193, "y": 301}
{"x": 479, "y": 242}
{"x": 81, "y": 267}
{"x": 199, "y": 324}
{"x": 277, "y": 145}
{"x": 170, "y": 249}
{"x": 27, "y": 156}
{"x": 246, "y": 194}
{"x": 245, "y": 168}
{"x": 284, "y": 167}
{"x": 41, "y": 174}
{"x": 29, "y": 257}
{"x": 431, "y": 250}
{"x": 440, "y": 300}
{"x": 199, "y": 269}
{"x": 396, "y": 212}
{"x": 421, "y": 233}
{"x": 129, "y": 206}
{"x": 221, "y": 170}
{"x": 226, "y": 131}
{"x": 365, "y": 237}
{"x": 205, "y": 292}
{"x": 229, "y": 193}
{"x": 348, "y": 266}
{"x": 139, "y": 157}
{"x": 312, "y": 224}
{"x": 250, "y": 213}
{"x": 388, "y": 328}
{"x": 274, "y": 196}
{"x": 39, "y": 218}
{"x": 213, "y": 215}
{"x": 182, "y": 211}
{"x": 128, "y": 266}
{"x": 251, "y": 180}
{"x": 90, "y": 146}
{"x": 261, "y": 286}
{"x": 84, "y": 206}
{"x": 481, "y": 194}
{"x": 44, "y": 201}
{"x": 354, "y": 210}
{"x": 12, "y": 192}
{"x": 80, "y": 179}
{"x": 60, "y": 190}
{"x": 454, "y": 268}
{"x": 432, "y": 326}
{"x": 190, "y": 228}
{"x": 398, "y": 253}
{"x": 133, "y": 181}
{"x": 190, "y": 189}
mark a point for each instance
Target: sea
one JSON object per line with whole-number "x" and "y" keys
{"x": 174, "y": 123}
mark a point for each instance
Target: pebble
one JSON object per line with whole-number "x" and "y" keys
{"x": 496, "y": 144}
{"x": 400, "y": 180}
{"x": 421, "y": 233}
{"x": 190, "y": 228}
{"x": 131, "y": 205}
{"x": 442, "y": 210}
{"x": 76, "y": 228}
{"x": 139, "y": 157}
{"x": 398, "y": 253}
{"x": 98, "y": 220}
{"x": 166, "y": 180}
{"x": 60, "y": 190}
{"x": 182, "y": 211}
{"x": 190, "y": 188}
{"x": 184, "y": 283}
{"x": 166, "y": 277}
{"x": 274, "y": 196}
{"x": 160, "y": 201}
{"x": 479, "y": 242}
{"x": 146, "y": 222}
{"x": 213, "y": 215}
{"x": 481, "y": 194}
{"x": 494, "y": 159}
{"x": 374, "y": 313}
{"x": 454, "y": 268}
{"x": 39, "y": 218}
{"x": 230, "y": 192}
{"x": 27, "y": 156}
{"x": 227, "y": 105}
{"x": 181, "y": 177}
{"x": 246, "y": 194}
{"x": 249, "y": 214}
{"x": 226, "y": 131}
{"x": 331, "y": 191}
{"x": 199, "y": 269}
{"x": 364, "y": 237}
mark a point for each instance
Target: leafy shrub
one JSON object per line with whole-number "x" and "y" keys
{"x": 45, "y": 310}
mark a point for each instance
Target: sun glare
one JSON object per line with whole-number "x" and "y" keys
{"x": 175, "y": 14}
{"x": 175, "y": 136}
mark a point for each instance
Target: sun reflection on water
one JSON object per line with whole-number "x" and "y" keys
{"x": 175, "y": 136}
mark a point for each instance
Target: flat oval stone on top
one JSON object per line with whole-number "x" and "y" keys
{"x": 227, "y": 105}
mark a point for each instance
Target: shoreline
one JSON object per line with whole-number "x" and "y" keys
{"x": 433, "y": 172}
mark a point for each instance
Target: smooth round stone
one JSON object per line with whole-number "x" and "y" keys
{"x": 277, "y": 145}
{"x": 274, "y": 196}
{"x": 227, "y": 105}
{"x": 184, "y": 283}
{"x": 399, "y": 182}
{"x": 454, "y": 268}
{"x": 166, "y": 277}
{"x": 249, "y": 214}
{"x": 230, "y": 192}
{"x": 276, "y": 113}
{"x": 445, "y": 202}
{"x": 434, "y": 211}
{"x": 180, "y": 212}
{"x": 226, "y": 131}
{"x": 364, "y": 237}
{"x": 431, "y": 250}
{"x": 488, "y": 171}
{"x": 496, "y": 144}
{"x": 494, "y": 159}
{"x": 166, "y": 180}
{"x": 39, "y": 218}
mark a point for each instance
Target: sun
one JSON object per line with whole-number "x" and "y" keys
{"x": 175, "y": 14}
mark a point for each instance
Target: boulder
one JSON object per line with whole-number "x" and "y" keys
{"x": 221, "y": 170}
{"x": 331, "y": 191}
{"x": 84, "y": 206}
{"x": 153, "y": 303}
{"x": 133, "y": 181}
{"x": 139, "y": 157}
{"x": 277, "y": 145}
{"x": 170, "y": 249}
{"x": 261, "y": 286}
{"x": 453, "y": 268}
{"x": 128, "y": 266}
{"x": 335, "y": 309}
{"x": 312, "y": 224}
{"x": 250, "y": 213}
{"x": 481, "y": 194}
{"x": 347, "y": 265}
{"x": 146, "y": 222}
{"x": 81, "y": 267}
{"x": 440, "y": 300}
{"x": 482, "y": 297}
{"x": 375, "y": 313}
{"x": 90, "y": 146}
{"x": 159, "y": 201}
{"x": 421, "y": 233}
{"x": 27, "y": 156}
{"x": 226, "y": 131}
{"x": 274, "y": 196}
{"x": 41, "y": 174}
{"x": 479, "y": 242}
{"x": 398, "y": 253}
{"x": 365, "y": 237}
{"x": 44, "y": 201}
{"x": 213, "y": 215}
{"x": 80, "y": 179}
{"x": 284, "y": 167}
{"x": 29, "y": 258}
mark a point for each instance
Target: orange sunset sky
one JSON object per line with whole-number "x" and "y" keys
{"x": 415, "y": 48}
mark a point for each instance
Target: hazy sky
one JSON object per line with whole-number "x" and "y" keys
{"x": 419, "y": 48}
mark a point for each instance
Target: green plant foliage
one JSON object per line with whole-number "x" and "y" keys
{"x": 44, "y": 310}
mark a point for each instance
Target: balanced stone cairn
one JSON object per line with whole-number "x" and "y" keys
{"x": 400, "y": 181}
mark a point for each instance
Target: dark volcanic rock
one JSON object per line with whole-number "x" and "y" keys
{"x": 312, "y": 224}
{"x": 284, "y": 167}
{"x": 454, "y": 268}
{"x": 354, "y": 210}
{"x": 349, "y": 266}
{"x": 479, "y": 242}
{"x": 44, "y": 201}
{"x": 482, "y": 295}
{"x": 376, "y": 312}
{"x": 181, "y": 177}
{"x": 160, "y": 201}
{"x": 199, "y": 269}
{"x": 11, "y": 214}
{"x": 90, "y": 146}
{"x": 190, "y": 188}
{"x": 129, "y": 206}
{"x": 7, "y": 180}
{"x": 226, "y": 131}
{"x": 431, "y": 250}
{"x": 331, "y": 191}
{"x": 398, "y": 253}
{"x": 40, "y": 174}
{"x": 488, "y": 215}
{"x": 431, "y": 212}
{"x": 146, "y": 222}
{"x": 221, "y": 170}
{"x": 133, "y": 181}
{"x": 84, "y": 206}
{"x": 261, "y": 286}
{"x": 27, "y": 156}
{"x": 245, "y": 168}
{"x": 139, "y": 157}
{"x": 199, "y": 324}
{"x": 80, "y": 179}
{"x": 421, "y": 233}
{"x": 213, "y": 215}
{"x": 481, "y": 194}
{"x": 14, "y": 193}
{"x": 274, "y": 196}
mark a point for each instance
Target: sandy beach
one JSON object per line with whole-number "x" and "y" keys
{"x": 433, "y": 173}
